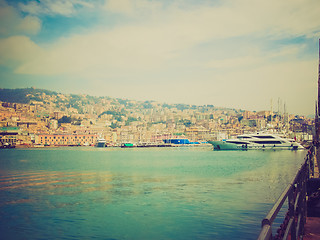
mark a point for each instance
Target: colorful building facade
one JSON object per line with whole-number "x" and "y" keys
{"x": 66, "y": 139}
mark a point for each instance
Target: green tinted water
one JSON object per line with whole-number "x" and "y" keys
{"x": 156, "y": 193}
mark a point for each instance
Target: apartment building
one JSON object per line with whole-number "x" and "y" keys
{"x": 66, "y": 139}
{"x": 8, "y": 135}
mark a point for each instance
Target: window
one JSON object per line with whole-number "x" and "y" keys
{"x": 237, "y": 142}
{"x": 265, "y": 137}
{"x": 268, "y": 142}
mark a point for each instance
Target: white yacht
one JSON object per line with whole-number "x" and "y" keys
{"x": 101, "y": 142}
{"x": 256, "y": 141}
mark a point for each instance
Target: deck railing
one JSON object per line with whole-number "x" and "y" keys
{"x": 295, "y": 193}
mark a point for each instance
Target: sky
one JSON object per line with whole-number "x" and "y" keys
{"x": 243, "y": 54}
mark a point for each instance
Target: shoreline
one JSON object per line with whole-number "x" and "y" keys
{"x": 119, "y": 146}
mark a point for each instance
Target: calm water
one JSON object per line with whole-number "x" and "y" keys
{"x": 165, "y": 193}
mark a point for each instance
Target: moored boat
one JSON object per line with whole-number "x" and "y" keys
{"x": 7, "y": 145}
{"x": 101, "y": 142}
{"x": 257, "y": 141}
{"x": 127, "y": 145}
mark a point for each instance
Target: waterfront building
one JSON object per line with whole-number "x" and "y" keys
{"x": 66, "y": 139}
{"x": 8, "y": 135}
{"x": 197, "y": 133}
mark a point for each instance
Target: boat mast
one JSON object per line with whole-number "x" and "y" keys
{"x": 271, "y": 114}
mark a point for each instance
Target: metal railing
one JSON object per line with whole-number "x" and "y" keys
{"x": 295, "y": 193}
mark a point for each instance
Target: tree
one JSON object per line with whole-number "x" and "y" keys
{"x": 65, "y": 119}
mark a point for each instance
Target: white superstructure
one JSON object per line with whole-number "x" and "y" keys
{"x": 101, "y": 142}
{"x": 256, "y": 141}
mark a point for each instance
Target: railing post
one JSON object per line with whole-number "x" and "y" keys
{"x": 304, "y": 195}
{"x": 304, "y": 200}
{"x": 291, "y": 213}
{"x": 266, "y": 232}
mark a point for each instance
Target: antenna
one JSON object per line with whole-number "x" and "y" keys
{"x": 278, "y": 106}
{"x": 285, "y": 117}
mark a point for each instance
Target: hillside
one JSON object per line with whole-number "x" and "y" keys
{"x": 23, "y": 95}
{"x": 28, "y": 95}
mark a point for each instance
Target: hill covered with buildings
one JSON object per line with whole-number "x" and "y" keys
{"x": 31, "y": 113}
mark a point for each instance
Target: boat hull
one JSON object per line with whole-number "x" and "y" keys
{"x": 127, "y": 145}
{"x": 223, "y": 145}
{"x": 101, "y": 144}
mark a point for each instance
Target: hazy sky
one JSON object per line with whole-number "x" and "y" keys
{"x": 229, "y": 53}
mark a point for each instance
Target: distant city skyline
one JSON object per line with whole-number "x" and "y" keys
{"x": 234, "y": 54}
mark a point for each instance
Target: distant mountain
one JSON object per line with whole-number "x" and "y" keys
{"x": 23, "y": 95}
{"x": 26, "y": 95}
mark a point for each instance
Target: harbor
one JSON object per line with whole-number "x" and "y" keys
{"x": 140, "y": 193}
{"x": 36, "y": 124}
{"x": 159, "y": 120}
{"x": 172, "y": 181}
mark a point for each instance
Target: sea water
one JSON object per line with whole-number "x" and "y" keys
{"x": 140, "y": 193}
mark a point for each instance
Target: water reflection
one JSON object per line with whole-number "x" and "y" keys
{"x": 140, "y": 194}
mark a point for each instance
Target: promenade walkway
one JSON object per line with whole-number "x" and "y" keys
{"x": 312, "y": 225}
{"x": 312, "y": 228}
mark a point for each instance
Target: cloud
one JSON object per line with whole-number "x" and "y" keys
{"x": 172, "y": 35}
{"x": 30, "y": 25}
{"x": 256, "y": 58}
{"x": 11, "y": 22}
{"x": 229, "y": 18}
{"x": 234, "y": 62}
{"x": 102, "y": 52}
{"x": 18, "y": 50}
{"x": 294, "y": 81}
{"x": 133, "y": 7}
{"x": 121, "y": 6}
{"x": 269, "y": 18}
{"x": 230, "y": 45}
{"x": 48, "y": 7}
